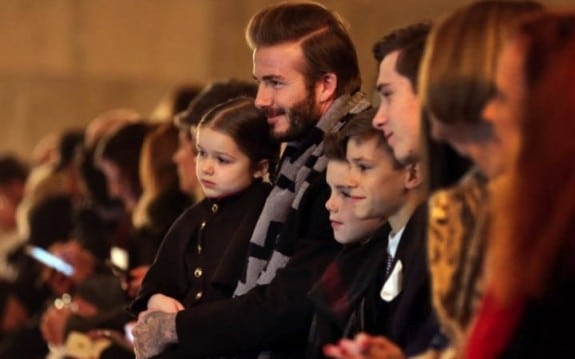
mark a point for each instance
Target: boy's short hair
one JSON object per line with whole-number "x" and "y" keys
{"x": 410, "y": 41}
{"x": 359, "y": 128}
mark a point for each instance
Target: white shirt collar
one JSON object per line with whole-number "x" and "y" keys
{"x": 393, "y": 241}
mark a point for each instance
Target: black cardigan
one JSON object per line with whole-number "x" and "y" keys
{"x": 222, "y": 228}
{"x": 271, "y": 317}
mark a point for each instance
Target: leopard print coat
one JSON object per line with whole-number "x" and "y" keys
{"x": 456, "y": 248}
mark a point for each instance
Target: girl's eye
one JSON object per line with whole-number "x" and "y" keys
{"x": 223, "y": 160}
{"x": 362, "y": 167}
{"x": 201, "y": 153}
{"x": 344, "y": 193}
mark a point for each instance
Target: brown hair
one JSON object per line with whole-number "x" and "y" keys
{"x": 247, "y": 126}
{"x": 410, "y": 41}
{"x": 360, "y": 129}
{"x": 211, "y": 95}
{"x": 534, "y": 241}
{"x": 323, "y": 38}
{"x": 158, "y": 173}
{"x": 157, "y": 170}
{"x": 458, "y": 69}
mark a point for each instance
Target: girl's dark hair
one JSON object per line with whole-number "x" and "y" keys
{"x": 242, "y": 121}
{"x": 210, "y": 96}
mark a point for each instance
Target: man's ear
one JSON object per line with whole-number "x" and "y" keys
{"x": 261, "y": 169}
{"x": 325, "y": 87}
{"x": 413, "y": 176}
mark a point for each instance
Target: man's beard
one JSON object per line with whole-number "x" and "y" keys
{"x": 301, "y": 117}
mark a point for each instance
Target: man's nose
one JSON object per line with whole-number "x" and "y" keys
{"x": 380, "y": 118}
{"x": 263, "y": 97}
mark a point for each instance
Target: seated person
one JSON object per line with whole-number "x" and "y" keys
{"x": 381, "y": 284}
{"x": 202, "y": 257}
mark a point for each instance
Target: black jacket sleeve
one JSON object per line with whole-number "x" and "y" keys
{"x": 167, "y": 275}
{"x": 272, "y": 317}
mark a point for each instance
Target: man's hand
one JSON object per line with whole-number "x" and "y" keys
{"x": 164, "y": 303}
{"x": 364, "y": 346}
{"x": 154, "y": 331}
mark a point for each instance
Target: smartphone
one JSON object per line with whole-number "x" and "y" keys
{"x": 50, "y": 260}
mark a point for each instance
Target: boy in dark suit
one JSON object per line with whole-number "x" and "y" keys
{"x": 378, "y": 284}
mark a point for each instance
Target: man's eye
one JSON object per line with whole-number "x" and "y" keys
{"x": 273, "y": 83}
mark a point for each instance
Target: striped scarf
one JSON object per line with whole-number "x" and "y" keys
{"x": 302, "y": 162}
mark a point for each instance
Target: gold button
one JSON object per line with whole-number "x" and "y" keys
{"x": 203, "y": 225}
{"x": 199, "y": 248}
{"x": 199, "y": 295}
{"x": 198, "y": 272}
{"x": 214, "y": 208}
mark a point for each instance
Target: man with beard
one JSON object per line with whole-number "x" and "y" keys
{"x": 308, "y": 85}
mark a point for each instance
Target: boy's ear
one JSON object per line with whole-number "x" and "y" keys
{"x": 325, "y": 87}
{"x": 261, "y": 169}
{"x": 413, "y": 176}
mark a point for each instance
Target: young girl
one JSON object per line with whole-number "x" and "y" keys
{"x": 202, "y": 255}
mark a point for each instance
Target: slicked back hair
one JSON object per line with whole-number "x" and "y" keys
{"x": 324, "y": 40}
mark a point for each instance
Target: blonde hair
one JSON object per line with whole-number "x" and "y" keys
{"x": 458, "y": 68}
{"x": 158, "y": 173}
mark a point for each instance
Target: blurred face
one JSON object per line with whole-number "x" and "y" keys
{"x": 377, "y": 187}
{"x": 290, "y": 107}
{"x": 505, "y": 109}
{"x": 221, "y": 167}
{"x": 185, "y": 160}
{"x": 475, "y": 141}
{"x": 10, "y": 196}
{"x": 399, "y": 112}
{"x": 118, "y": 186}
{"x": 346, "y": 227}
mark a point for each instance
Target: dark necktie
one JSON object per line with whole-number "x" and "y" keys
{"x": 388, "y": 264}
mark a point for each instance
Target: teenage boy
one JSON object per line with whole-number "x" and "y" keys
{"x": 340, "y": 292}
{"x": 399, "y": 119}
{"x": 391, "y": 289}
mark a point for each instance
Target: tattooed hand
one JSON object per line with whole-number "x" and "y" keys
{"x": 153, "y": 332}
